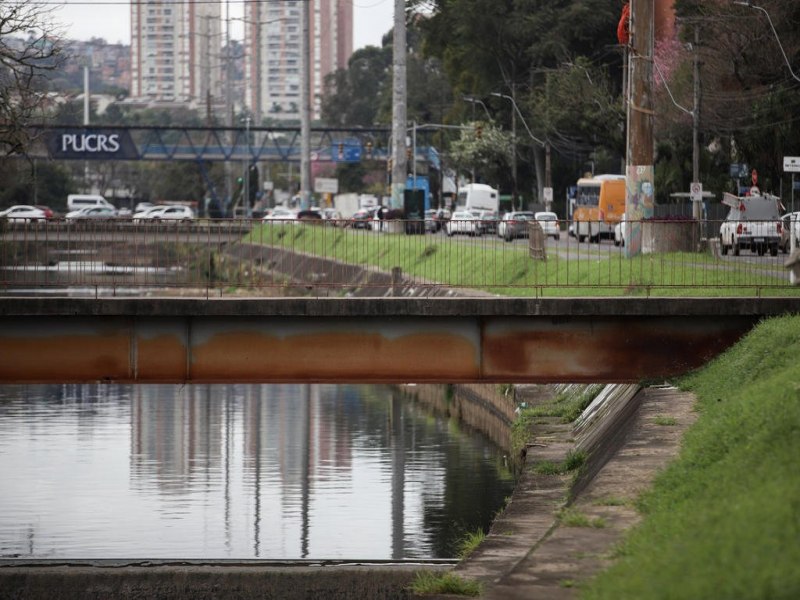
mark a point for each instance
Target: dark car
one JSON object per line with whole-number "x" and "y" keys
{"x": 362, "y": 218}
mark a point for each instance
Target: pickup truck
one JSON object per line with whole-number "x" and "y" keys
{"x": 753, "y": 222}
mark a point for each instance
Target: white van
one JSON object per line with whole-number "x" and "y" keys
{"x": 478, "y": 196}
{"x": 78, "y": 201}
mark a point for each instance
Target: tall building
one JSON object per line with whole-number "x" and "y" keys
{"x": 175, "y": 51}
{"x": 272, "y": 39}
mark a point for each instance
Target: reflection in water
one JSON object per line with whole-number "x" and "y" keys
{"x": 237, "y": 471}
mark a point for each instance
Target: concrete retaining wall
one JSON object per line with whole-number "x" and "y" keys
{"x": 201, "y": 582}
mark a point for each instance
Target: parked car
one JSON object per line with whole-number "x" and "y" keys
{"x": 92, "y": 213}
{"x": 175, "y": 212}
{"x": 312, "y": 214}
{"x": 753, "y": 222}
{"x": 463, "y": 222}
{"x": 549, "y": 222}
{"x": 23, "y": 213}
{"x": 620, "y": 231}
{"x": 332, "y": 216}
{"x": 790, "y": 223}
{"x": 148, "y": 212}
{"x": 514, "y": 225}
{"x": 48, "y": 212}
{"x": 281, "y": 214}
{"x": 362, "y": 218}
{"x": 435, "y": 219}
{"x": 488, "y": 220}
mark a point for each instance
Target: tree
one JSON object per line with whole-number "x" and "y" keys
{"x": 750, "y": 99}
{"x": 511, "y": 47}
{"x": 24, "y": 65}
{"x": 484, "y": 150}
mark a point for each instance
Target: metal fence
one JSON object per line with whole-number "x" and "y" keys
{"x": 375, "y": 258}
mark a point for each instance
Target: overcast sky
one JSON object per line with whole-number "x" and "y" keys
{"x": 110, "y": 19}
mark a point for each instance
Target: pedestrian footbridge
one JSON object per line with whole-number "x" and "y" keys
{"x": 391, "y": 340}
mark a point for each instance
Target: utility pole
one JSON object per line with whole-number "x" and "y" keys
{"x": 399, "y": 165}
{"x": 305, "y": 110}
{"x": 228, "y": 104}
{"x": 640, "y": 187}
{"x": 514, "y": 192}
{"x": 697, "y": 212}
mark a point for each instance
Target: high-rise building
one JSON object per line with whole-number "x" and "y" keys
{"x": 273, "y": 53}
{"x": 175, "y": 51}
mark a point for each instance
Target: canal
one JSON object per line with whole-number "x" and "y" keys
{"x": 239, "y": 472}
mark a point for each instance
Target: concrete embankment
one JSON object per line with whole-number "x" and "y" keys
{"x": 203, "y": 581}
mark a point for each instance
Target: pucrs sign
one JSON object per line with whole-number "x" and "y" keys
{"x": 91, "y": 144}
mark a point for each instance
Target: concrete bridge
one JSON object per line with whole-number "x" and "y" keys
{"x": 446, "y": 340}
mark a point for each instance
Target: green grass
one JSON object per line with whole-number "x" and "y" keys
{"x": 723, "y": 520}
{"x": 428, "y": 583}
{"x": 489, "y": 264}
{"x": 470, "y": 542}
{"x": 567, "y": 405}
{"x": 571, "y": 517}
{"x": 573, "y": 462}
{"x": 665, "y": 421}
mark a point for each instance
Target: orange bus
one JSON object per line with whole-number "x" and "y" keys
{"x": 599, "y": 206}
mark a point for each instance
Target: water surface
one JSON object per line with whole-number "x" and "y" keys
{"x": 238, "y": 471}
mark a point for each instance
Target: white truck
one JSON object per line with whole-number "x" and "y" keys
{"x": 753, "y": 222}
{"x": 349, "y": 204}
{"x": 477, "y": 196}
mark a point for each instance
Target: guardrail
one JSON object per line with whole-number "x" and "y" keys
{"x": 378, "y": 258}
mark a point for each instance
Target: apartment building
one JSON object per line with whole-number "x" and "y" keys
{"x": 273, "y": 53}
{"x": 175, "y": 51}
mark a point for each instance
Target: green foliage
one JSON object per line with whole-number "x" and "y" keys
{"x": 487, "y": 153}
{"x": 573, "y": 462}
{"x": 470, "y": 542}
{"x": 665, "y": 421}
{"x": 429, "y": 583}
{"x": 722, "y": 520}
{"x": 40, "y": 182}
{"x": 572, "y": 517}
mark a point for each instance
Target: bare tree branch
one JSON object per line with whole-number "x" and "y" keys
{"x": 29, "y": 51}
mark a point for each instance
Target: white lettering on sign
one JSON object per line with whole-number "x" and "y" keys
{"x": 89, "y": 142}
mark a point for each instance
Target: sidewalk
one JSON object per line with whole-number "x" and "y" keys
{"x": 529, "y": 554}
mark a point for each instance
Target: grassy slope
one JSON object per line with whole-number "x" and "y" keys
{"x": 497, "y": 267}
{"x": 723, "y": 521}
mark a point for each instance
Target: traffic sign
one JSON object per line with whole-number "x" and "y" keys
{"x": 325, "y": 185}
{"x": 696, "y": 191}
{"x": 791, "y": 164}
{"x": 548, "y": 194}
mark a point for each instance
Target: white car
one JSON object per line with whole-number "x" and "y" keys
{"x": 463, "y": 221}
{"x": 167, "y": 212}
{"x": 281, "y": 214}
{"x": 620, "y": 231}
{"x": 549, "y": 224}
{"x": 174, "y": 212}
{"x": 147, "y": 212}
{"x": 92, "y": 212}
{"x": 23, "y": 213}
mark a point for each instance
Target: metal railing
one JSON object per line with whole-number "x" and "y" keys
{"x": 376, "y": 258}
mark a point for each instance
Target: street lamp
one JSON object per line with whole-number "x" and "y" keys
{"x": 774, "y": 31}
{"x": 516, "y": 108}
{"x": 544, "y": 145}
{"x": 472, "y": 100}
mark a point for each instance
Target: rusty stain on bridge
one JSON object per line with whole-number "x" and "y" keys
{"x": 392, "y": 340}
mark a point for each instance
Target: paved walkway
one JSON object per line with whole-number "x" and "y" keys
{"x": 529, "y": 554}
